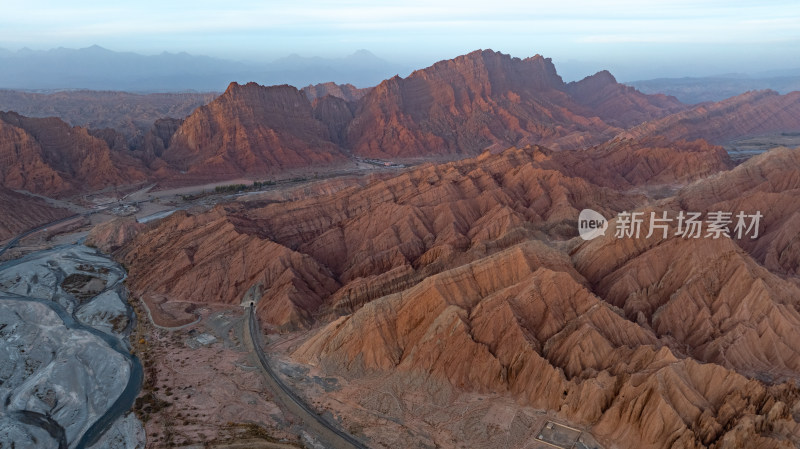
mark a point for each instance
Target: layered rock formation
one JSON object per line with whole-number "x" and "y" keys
{"x": 768, "y": 184}
{"x": 623, "y": 163}
{"x": 618, "y": 104}
{"x": 523, "y": 323}
{"x": 752, "y": 113}
{"x": 50, "y": 157}
{"x": 705, "y": 297}
{"x": 346, "y": 92}
{"x": 469, "y": 273}
{"x": 483, "y": 100}
{"x": 251, "y": 129}
{"x": 24, "y": 212}
{"x": 462, "y": 106}
{"x": 486, "y": 98}
{"x": 465, "y": 105}
{"x": 111, "y": 235}
{"x": 442, "y": 215}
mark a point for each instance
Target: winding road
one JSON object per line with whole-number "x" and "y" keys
{"x": 13, "y": 242}
{"x": 326, "y": 430}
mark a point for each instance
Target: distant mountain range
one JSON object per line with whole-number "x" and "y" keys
{"x": 98, "y": 68}
{"x": 717, "y": 88}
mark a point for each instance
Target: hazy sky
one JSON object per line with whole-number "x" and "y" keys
{"x": 634, "y": 39}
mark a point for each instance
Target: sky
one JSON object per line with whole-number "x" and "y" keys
{"x": 635, "y": 39}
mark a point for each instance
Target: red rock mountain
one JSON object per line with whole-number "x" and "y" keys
{"x": 24, "y": 212}
{"x": 768, "y": 184}
{"x": 251, "y": 129}
{"x": 465, "y": 105}
{"x": 346, "y": 92}
{"x": 46, "y": 155}
{"x": 468, "y": 273}
{"x": 752, "y": 113}
{"x": 618, "y": 104}
{"x": 438, "y": 211}
{"x": 652, "y": 161}
{"x": 462, "y": 106}
{"x": 485, "y": 99}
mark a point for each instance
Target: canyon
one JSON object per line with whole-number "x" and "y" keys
{"x": 412, "y": 257}
{"x": 470, "y": 273}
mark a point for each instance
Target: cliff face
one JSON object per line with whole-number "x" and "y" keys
{"x": 23, "y": 165}
{"x": 50, "y": 157}
{"x": 618, "y": 104}
{"x": 346, "y": 92}
{"x": 251, "y": 129}
{"x": 486, "y": 98}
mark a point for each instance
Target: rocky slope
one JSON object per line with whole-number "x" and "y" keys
{"x": 512, "y": 325}
{"x": 301, "y": 253}
{"x": 469, "y": 273}
{"x": 46, "y": 155}
{"x": 705, "y": 297}
{"x": 24, "y": 212}
{"x": 111, "y": 235}
{"x": 751, "y": 113}
{"x": 461, "y": 106}
{"x": 251, "y": 129}
{"x": 346, "y": 92}
{"x": 485, "y": 98}
{"x": 438, "y": 215}
{"x": 618, "y": 104}
{"x": 465, "y": 105}
{"x": 768, "y": 184}
{"x": 623, "y": 163}
{"x": 654, "y": 342}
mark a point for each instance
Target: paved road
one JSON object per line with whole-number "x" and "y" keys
{"x": 326, "y": 430}
{"x": 13, "y": 242}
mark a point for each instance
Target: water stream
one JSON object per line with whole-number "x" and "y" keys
{"x": 39, "y": 278}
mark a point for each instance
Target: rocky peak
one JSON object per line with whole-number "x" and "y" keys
{"x": 346, "y": 92}
{"x": 597, "y": 81}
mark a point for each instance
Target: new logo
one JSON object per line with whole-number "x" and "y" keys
{"x": 591, "y": 224}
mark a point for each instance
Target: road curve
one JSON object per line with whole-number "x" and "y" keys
{"x": 328, "y": 431}
{"x": 13, "y": 242}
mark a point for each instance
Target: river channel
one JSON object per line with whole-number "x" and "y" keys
{"x": 67, "y": 376}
